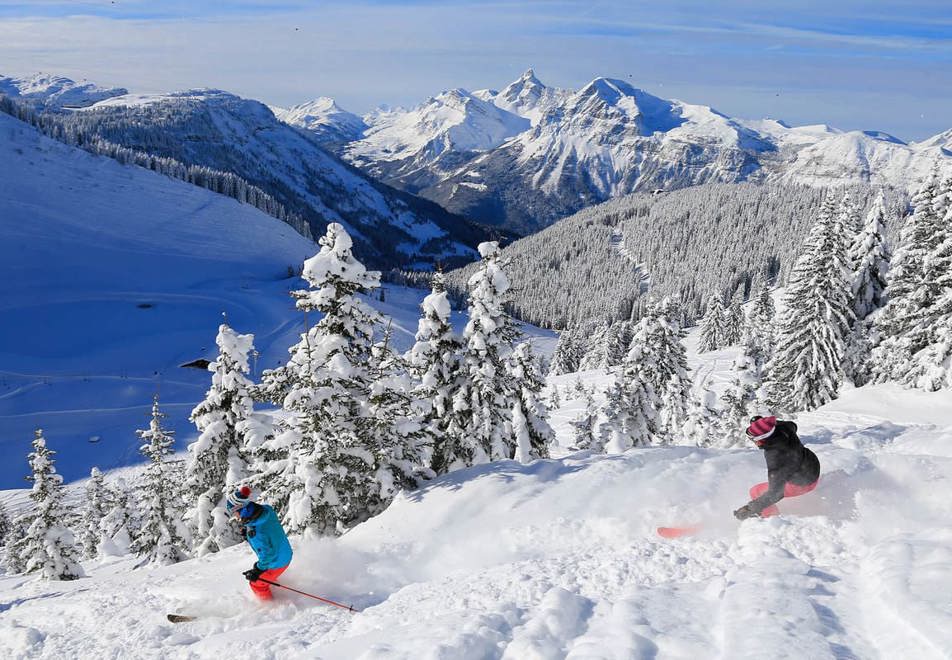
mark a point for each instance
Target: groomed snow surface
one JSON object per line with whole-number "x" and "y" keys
{"x": 560, "y": 559}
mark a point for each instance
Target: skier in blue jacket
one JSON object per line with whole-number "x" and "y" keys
{"x": 263, "y": 531}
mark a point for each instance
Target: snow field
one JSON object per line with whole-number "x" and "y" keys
{"x": 559, "y": 559}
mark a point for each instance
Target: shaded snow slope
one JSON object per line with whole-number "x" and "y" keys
{"x": 114, "y": 276}
{"x": 559, "y": 559}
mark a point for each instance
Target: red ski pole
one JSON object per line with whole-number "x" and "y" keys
{"x": 304, "y": 593}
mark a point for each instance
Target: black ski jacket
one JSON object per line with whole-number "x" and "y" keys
{"x": 788, "y": 461}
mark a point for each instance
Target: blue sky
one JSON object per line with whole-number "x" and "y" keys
{"x": 855, "y": 65}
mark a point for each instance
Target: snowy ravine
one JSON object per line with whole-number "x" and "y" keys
{"x": 559, "y": 558}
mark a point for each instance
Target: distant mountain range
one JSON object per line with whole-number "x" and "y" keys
{"x": 530, "y": 154}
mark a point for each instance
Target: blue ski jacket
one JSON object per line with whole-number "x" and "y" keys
{"x": 267, "y": 538}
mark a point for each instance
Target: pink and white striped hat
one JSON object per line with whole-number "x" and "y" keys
{"x": 761, "y": 428}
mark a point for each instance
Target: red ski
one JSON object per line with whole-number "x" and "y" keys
{"x": 678, "y": 532}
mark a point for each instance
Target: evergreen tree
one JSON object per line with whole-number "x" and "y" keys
{"x": 216, "y": 461}
{"x": 870, "y": 261}
{"x": 555, "y": 401}
{"x": 568, "y": 353}
{"x": 703, "y": 427}
{"x": 393, "y": 428}
{"x": 583, "y": 427}
{"x": 435, "y": 361}
{"x": 14, "y": 560}
{"x": 918, "y": 237}
{"x": 617, "y": 340}
{"x": 530, "y": 423}
{"x": 320, "y": 470}
{"x": 759, "y": 328}
{"x": 48, "y": 546}
{"x": 486, "y": 398}
{"x": 118, "y": 525}
{"x": 596, "y": 357}
{"x": 629, "y": 416}
{"x": 712, "y": 325}
{"x": 6, "y": 525}
{"x": 733, "y": 321}
{"x": 808, "y": 364}
{"x": 160, "y": 539}
{"x": 930, "y": 337}
{"x": 739, "y": 401}
{"x": 96, "y": 507}
{"x": 668, "y": 373}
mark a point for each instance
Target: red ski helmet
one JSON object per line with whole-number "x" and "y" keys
{"x": 761, "y": 428}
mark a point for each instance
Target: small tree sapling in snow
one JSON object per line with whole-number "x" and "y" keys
{"x": 6, "y": 525}
{"x": 583, "y": 427}
{"x": 160, "y": 540}
{"x": 48, "y": 545}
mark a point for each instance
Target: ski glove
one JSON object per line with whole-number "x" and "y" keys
{"x": 746, "y": 512}
{"x": 253, "y": 574}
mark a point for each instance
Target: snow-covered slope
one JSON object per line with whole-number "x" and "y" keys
{"x": 605, "y": 140}
{"x": 415, "y": 148}
{"x": 222, "y": 131}
{"x": 113, "y": 277}
{"x": 559, "y": 559}
{"x": 56, "y": 91}
{"x": 324, "y": 119}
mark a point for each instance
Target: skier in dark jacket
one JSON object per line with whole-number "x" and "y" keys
{"x": 264, "y": 533}
{"x": 792, "y": 469}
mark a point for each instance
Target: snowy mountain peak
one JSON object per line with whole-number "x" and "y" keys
{"x": 56, "y": 91}
{"x": 526, "y": 97}
{"x": 325, "y": 119}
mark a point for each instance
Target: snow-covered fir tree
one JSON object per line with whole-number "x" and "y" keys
{"x": 703, "y": 426}
{"x": 713, "y": 325}
{"x": 393, "y": 428}
{"x": 617, "y": 341}
{"x": 48, "y": 546}
{"x": 319, "y": 470}
{"x": 870, "y": 258}
{"x": 758, "y": 336}
{"x": 435, "y": 361}
{"x": 568, "y": 353}
{"x": 733, "y": 320}
{"x": 629, "y": 416}
{"x": 118, "y": 526}
{"x": 486, "y": 397}
{"x": 6, "y": 525}
{"x": 13, "y": 559}
{"x": 583, "y": 427}
{"x": 807, "y": 367}
{"x": 597, "y": 346}
{"x": 919, "y": 235}
{"x": 930, "y": 337}
{"x": 668, "y": 371}
{"x": 740, "y": 400}
{"x": 555, "y": 400}
{"x": 216, "y": 461}
{"x": 160, "y": 540}
{"x": 95, "y": 507}
{"x": 530, "y": 423}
